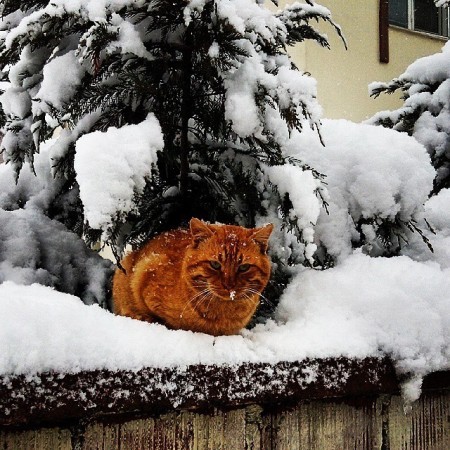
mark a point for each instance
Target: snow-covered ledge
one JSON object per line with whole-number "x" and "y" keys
{"x": 53, "y": 398}
{"x": 314, "y": 404}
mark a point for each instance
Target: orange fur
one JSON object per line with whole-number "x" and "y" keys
{"x": 208, "y": 278}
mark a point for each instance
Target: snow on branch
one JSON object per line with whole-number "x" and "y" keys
{"x": 296, "y": 18}
{"x": 377, "y": 181}
{"x": 425, "y": 113}
{"x": 122, "y": 160}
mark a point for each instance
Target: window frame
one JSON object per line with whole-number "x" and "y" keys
{"x": 443, "y": 21}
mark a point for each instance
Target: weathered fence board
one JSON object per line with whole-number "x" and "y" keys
{"x": 316, "y": 425}
{"x": 41, "y": 439}
{"x": 351, "y": 405}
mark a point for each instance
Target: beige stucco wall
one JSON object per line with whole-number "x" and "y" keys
{"x": 343, "y": 75}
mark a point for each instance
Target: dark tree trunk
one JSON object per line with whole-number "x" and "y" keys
{"x": 186, "y": 110}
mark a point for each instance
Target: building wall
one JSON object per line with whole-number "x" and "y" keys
{"x": 343, "y": 75}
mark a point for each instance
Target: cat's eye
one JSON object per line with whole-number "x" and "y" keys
{"x": 243, "y": 267}
{"x": 215, "y": 265}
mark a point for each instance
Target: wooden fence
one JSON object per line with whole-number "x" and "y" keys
{"x": 313, "y": 404}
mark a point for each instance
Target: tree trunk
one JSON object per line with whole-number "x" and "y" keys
{"x": 186, "y": 110}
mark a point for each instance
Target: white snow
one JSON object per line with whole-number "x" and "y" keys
{"x": 36, "y": 249}
{"x": 193, "y": 6}
{"x": 122, "y": 158}
{"x": 35, "y": 191}
{"x": 400, "y": 306}
{"x": 129, "y": 40}
{"x": 214, "y": 50}
{"x": 250, "y": 16}
{"x": 300, "y": 185}
{"x": 427, "y": 91}
{"x": 366, "y": 306}
{"x": 94, "y": 10}
{"x": 371, "y": 171}
{"x": 62, "y": 76}
{"x": 16, "y": 101}
{"x": 430, "y": 69}
{"x": 241, "y": 86}
{"x": 291, "y": 87}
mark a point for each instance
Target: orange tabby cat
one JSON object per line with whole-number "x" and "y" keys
{"x": 207, "y": 279}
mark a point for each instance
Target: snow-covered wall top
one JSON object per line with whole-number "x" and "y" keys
{"x": 365, "y": 307}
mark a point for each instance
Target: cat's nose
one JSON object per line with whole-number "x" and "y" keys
{"x": 228, "y": 283}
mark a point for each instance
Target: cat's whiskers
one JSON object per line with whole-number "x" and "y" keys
{"x": 253, "y": 286}
{"x": 254, "y": 291}
{"x": 204, "y": 299}
{"x": 248, "y": 291}
{"x": 209, "y": 304}
{"x": 200, "y": 296}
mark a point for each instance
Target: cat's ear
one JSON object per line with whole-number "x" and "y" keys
{"x": 199, "y": 231}
{"x": 261, "y": 236}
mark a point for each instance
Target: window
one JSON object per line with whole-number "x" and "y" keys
{"x": 420, "y": 15}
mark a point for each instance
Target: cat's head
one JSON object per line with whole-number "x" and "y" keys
{"x": 229, "y": 261}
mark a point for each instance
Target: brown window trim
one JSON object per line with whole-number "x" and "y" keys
{"x": 383, "y": 22}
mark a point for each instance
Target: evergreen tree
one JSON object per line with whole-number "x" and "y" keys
{"x": 425, "y": 113}
{"x": 168, "y": 110}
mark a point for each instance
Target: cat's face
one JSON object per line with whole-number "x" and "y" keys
{"x": 227, "y": 261}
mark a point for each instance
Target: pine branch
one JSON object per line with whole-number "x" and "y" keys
{"x": 10, "y": 6}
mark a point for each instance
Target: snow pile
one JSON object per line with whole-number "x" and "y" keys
{"x": 396, "y": 305}
{"x": 425, "y": 112}
{"x": 16, "y": 103}
{"x": 123, "y": 158}
{"x": 247, "y": 16}
{"x": 37, "y": 249}
{"x": 128, "y": 40}
{"x": 92, "y": 10}
{"x": 373, "y": 175}
{"x": 364, "y": 307}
